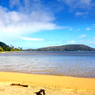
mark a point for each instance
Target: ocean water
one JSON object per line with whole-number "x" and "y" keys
{"x": 64, "y": 63}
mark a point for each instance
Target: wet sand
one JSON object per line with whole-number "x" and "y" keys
{"x": 54, "y": 85}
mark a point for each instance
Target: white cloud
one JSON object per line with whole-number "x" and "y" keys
{"x": 92, "y": 42}
{"x": 88, "y": 28}
{"x": 70, "y": 29}
{"x": 78, "y": 3}
{"x": 32, "y": 39}
{"x": 79, "y": 13}
{"x": 14, "y": 3}
{"x": 27, "y": 6}
{"x": 67, "y": 35}
{"x": 15, "y": 24}
{"x": 81, "y": 36}
{"x": 71, "y": 41}
{"x": 78, "y": 30}
{"x": 81, "y": 41}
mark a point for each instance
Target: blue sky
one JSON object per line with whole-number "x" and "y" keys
{"x": 42, "y": 23}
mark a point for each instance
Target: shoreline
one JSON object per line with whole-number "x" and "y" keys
{"x": 23, "y": 72}
{"x": 9, "y": 51}
{"x": 54, "y": 85}
{"x": 49, "y": 80}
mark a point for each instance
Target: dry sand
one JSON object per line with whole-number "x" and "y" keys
{"x": 54, "y": 85}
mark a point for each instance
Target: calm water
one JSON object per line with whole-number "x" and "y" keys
{"x": 78, "y": 64}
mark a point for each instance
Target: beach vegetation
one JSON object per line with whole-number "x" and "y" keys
{"x": 1, "y": 49}
{"x": 4, "y": 47}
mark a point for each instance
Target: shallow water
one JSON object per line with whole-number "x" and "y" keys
{"x": 69, "y": 63}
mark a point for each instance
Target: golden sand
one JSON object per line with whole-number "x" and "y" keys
{"x": 54, "y": 85}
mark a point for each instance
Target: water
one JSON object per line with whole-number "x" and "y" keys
{"x": 66, "y": 63}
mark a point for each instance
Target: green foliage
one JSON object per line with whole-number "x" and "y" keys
{"x": 2, "y": 44}
{"x": 4, "y": 47}
{"x": 1, "y": 49}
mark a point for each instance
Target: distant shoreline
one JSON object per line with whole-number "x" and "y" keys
{"x": 70, "y": 47}
{"x": 10, "y": 51}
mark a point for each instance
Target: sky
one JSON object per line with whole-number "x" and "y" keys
{"x": 42, "y": 23}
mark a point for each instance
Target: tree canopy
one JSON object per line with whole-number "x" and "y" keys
{"x": 4, "y": 47}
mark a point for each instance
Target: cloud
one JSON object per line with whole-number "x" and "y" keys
{"x": 14, "y": 3}
{"x": 32, "y": 39}
{"x": 79, "y": 13}
{"x": 71, "y": 41}
{"x": 88, "y": 28}
{"x": 26, "y": 6}
{"x": 78, "y": 30}
{"x": 19, "y": 23}
{"x": 16, "y": 23}
{"x": 92, "y": 42}
{"x": 84, "y": 14}
{"x": 78, "y": 3}
{"x": 70, "y": 29}
{"x": 81, "y": 36}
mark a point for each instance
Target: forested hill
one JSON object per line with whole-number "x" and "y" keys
{"x": 72, "y": 47}
{"x": 3, "y": 44}
{"x": 4, "y": 47}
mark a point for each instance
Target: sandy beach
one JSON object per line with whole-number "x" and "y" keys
{"x": 54, "y": 85}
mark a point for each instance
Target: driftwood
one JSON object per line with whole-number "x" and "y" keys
{"x": 15, "y": 84}
{"x": 41, "y": 92}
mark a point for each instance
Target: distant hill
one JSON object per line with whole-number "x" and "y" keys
{"x": 3, "y": 44}
{"x": 72, "y": 47}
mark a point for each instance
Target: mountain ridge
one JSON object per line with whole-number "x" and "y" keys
{"x": 69, "y": 47}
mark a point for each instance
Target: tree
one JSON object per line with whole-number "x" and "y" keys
{"x": 4, "y": 47}
{"x": 1, "y": 49}
{"x": 11, "y": 48}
